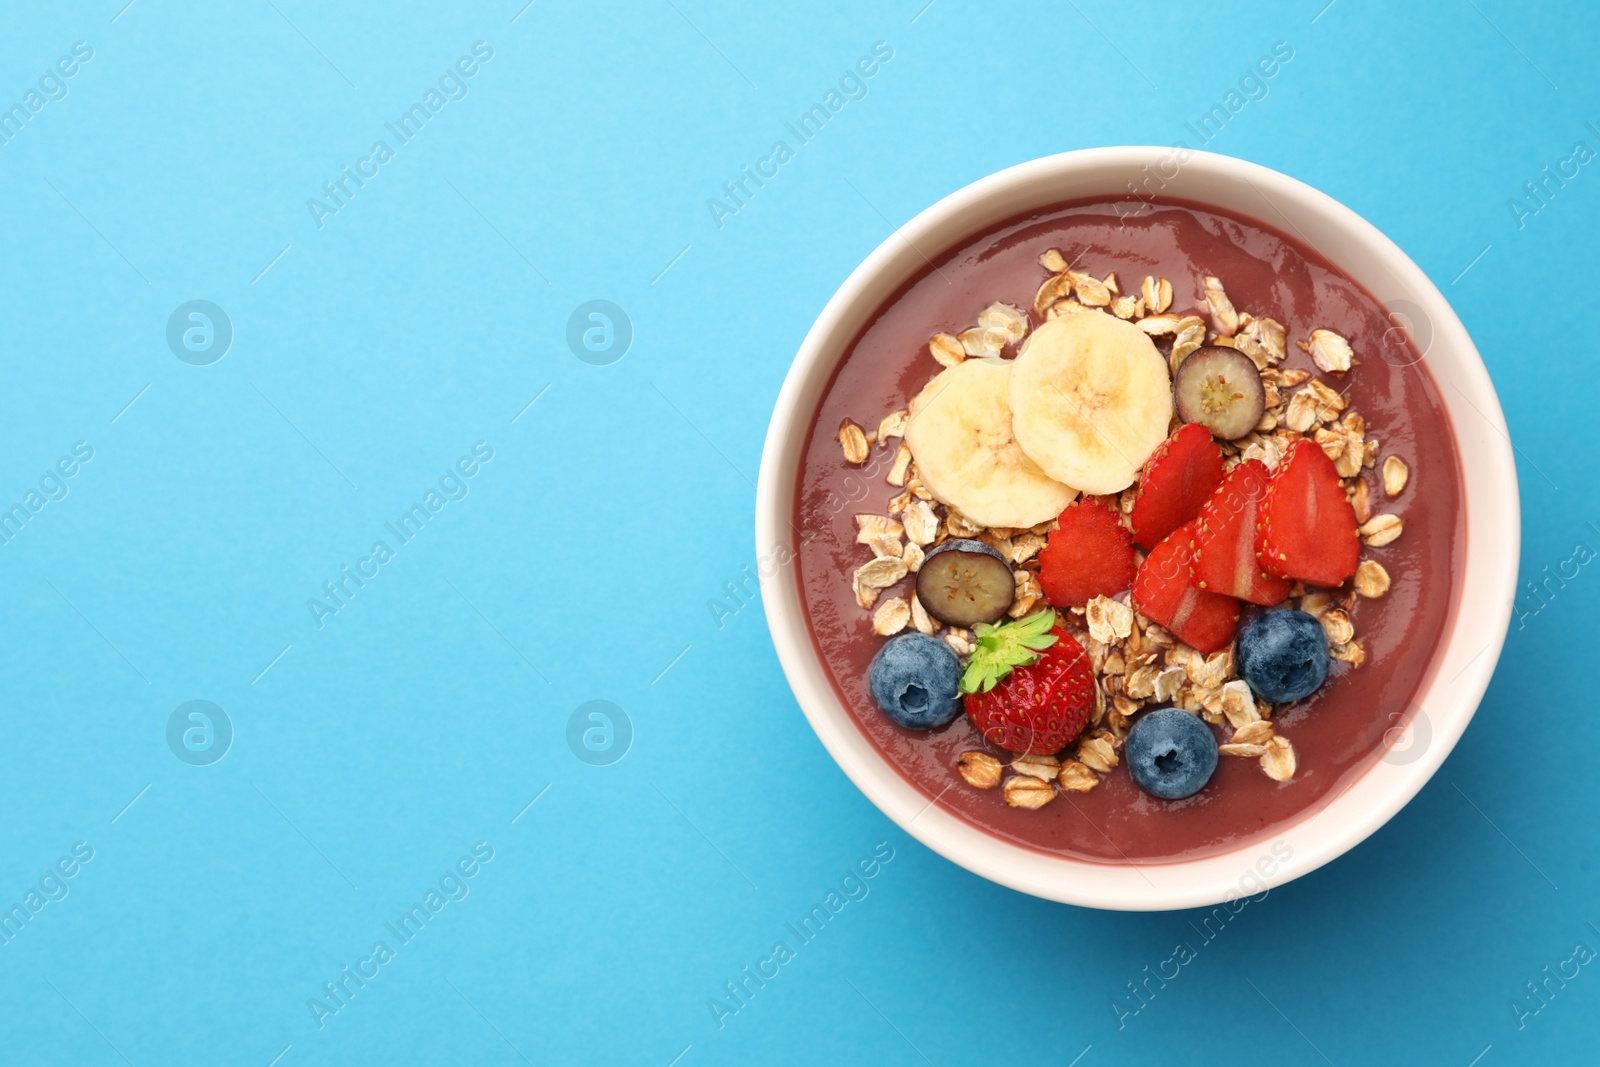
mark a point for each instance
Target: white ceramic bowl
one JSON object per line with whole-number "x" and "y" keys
{"x": 1474, "y": 635}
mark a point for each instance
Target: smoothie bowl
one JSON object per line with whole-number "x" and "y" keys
{"x": 1150, "y": 528}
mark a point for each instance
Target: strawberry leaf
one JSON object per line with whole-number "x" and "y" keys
{"x": 1000, "y": 648}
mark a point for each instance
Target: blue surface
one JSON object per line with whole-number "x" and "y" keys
{"x": 371, "y": 353}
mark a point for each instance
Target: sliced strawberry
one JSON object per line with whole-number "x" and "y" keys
{"x": 1180, "y": 475}
{"x": 1041, "y": 707}
{"x": 1089, "y": 554}
{"x": 1306, "y": 529}
{"x": 1161, "y": 591}
{"x": 1225, "y": 539}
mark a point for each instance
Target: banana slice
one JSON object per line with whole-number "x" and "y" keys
{"x": 1090, "y": 400}
{"x": 960, "y": 435}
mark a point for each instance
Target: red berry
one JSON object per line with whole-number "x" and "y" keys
{"x": 1225, "y": 539}
{"x": 1307, "y": 528}
{"x": 1180, "y": 475}
{"x": 1089, "y": 554}
{"x": 1161, "y": 591}
{"x": 1039, "y": 708}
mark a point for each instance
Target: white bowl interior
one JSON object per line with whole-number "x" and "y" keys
{"x": 1474, "y": 634}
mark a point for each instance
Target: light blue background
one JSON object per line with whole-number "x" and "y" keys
{"x": 371, "y": 753}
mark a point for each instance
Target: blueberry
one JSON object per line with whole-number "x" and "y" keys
{"x": 965, "y": 582}
{"x": 1283, "y": 655}
{"x": 914, "y": 679}
{"x": 1171, "y": 753}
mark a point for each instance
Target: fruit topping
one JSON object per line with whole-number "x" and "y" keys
{"x": 1180, "y": 476}
{"x": 1220, "y": 388}
{"x": 964, "y": 583}
{"x": 1307, "y": 528}
{"x": 1090, "y": 400}
{"x": 992, "y": 450}
{"x": 1283, "y": 655}
{"x": 1041, "y": 706}
{"x": 1225, "y": 539}
{"x": 960, "y": 434}
{"x": 916, "y": 681}
{"x": 1089, "y": 554}
{"x": 1161, "y": 591}
{"x": 1171, "y": 754}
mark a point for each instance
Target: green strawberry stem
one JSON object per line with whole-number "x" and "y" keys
{"x": 1003, "y": 647}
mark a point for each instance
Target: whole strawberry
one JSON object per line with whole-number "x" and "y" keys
{"x": 1029, "y": 685}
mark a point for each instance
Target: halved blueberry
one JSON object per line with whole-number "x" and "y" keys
{"x": 1220, "y": 388}
{"x": 915, "y": 679}
{"x": 965, "y": 582}
{"x": 1171, "y": 753}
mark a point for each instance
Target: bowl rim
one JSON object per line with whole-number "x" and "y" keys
{"x": 1475, "y": 632}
